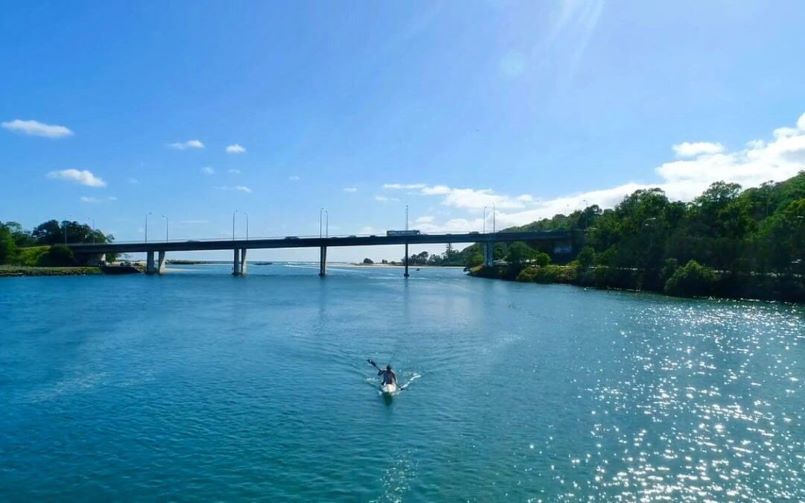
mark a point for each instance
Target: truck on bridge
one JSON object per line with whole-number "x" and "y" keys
{"x": 412, "y": 232}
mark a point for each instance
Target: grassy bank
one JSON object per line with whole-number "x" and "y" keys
{"x": 691, "y": 280}
{"x": 21, "y": 270}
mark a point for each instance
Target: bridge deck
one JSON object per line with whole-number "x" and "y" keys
{"x": 316, "y": 242}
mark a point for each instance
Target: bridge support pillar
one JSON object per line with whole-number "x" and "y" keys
{"x": 236, "y": 263}
{"x": 323, "y": 261}
{"x": 161, "y": 262}
{"x": 150, "y": 266}
{"x": 489, "y": 253}
{"x": 242, "y": 261}
{"x": 405, "y": 261}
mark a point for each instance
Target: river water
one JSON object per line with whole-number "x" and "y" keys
{"x": 198, "y": 385}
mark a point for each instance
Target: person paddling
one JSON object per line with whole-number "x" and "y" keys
{"x": 389, "y": 377}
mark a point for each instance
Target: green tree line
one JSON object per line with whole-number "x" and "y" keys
{"x": 44, "y": 244}
{"x": 727, "y": 240}
{"x": 450, "y": 257}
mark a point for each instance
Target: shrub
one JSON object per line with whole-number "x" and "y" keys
{"x": 692, "y": 279}
{"x": 527, "y": 274}
{"x": 520, "y": 253}
{"x": 30, "y": 256}
{"x": 57, "y": 256}
{"x": 475, "y": 260}
{"x": 547, "y": 274}
{"x": 542, "y": 259}
{"x": 669, "y": 267}
{"x": 586, "y": 257}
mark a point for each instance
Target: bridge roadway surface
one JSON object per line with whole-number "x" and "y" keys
{"x": 316, "y": 242}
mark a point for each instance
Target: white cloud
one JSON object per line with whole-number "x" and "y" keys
{"x": 84, "y": 177}
{"x": 36, "y": 128}
{"x": 133, "y": 181}
{"x": 233, "y": 171}
{"x": 237, "y": 188}
{"x": 235, "y": 149}
{"x": 760, "y": 161}
{"x": 684, "y": 179}
{"x": 465, "y": 198}
{"x": 293, "y": 178}
{"x": 208, "y": 170}
{"x": 692, "y": 149}
{"x": 351, "y": 189}
{"x": 184, "y": 145}
{"x": 385, "y": 199}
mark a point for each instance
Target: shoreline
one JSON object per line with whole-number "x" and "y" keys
{"x": 15, "y": 271}
{"x": 727, "y": 286}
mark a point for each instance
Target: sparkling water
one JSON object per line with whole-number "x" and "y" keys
{"x": 199, "y": 385}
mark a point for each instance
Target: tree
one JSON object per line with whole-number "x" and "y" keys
{"x": 586, "y": 257}
{"x": 542, "y": 259}
{"x": 48, "y": 233}
{"x": 57, "y": 256}
{"x": 519, "y": 253}
{"x": 474, "y": 260}
{"x": 781, "y": 238}
{"x": 21, "y": 237}
{"x": 7, "y": 245}
{"x": 692, "y": 279}
{"x": 368, "y": 261}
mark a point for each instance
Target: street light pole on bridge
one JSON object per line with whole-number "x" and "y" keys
{"x": 167, "y": 225}
{"x": 146, "y": 226}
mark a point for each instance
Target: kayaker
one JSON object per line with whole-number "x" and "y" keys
{"x": 389, "y": 377}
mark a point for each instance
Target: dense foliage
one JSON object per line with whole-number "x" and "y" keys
{"x": 44, "y": 244}
{"x": 450, "y": 257}
{"x": 739, "y": 242}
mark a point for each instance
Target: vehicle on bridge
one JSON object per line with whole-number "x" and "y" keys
{"x": 412, "y": 232}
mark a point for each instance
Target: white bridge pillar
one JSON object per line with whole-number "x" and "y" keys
{"x": 161, "y": 262}
{"x": 323, "y": 261}
{"x": 242, "y": 261}
{"x": 489, "y": 253}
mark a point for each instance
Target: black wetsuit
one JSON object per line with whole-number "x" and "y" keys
{"x": 389, "y": 377}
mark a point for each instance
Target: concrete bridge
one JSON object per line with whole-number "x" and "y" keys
{"x": 156, "y": 251}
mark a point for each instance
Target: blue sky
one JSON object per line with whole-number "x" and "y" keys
{"x": 111, "y": 110}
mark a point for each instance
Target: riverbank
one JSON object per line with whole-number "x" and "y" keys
{"x": 786, "y": 288}
{"x": 397, "y": 264}
{"x": 20, "y": 270}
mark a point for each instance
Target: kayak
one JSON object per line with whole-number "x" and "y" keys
{"x": 388, "y": 388}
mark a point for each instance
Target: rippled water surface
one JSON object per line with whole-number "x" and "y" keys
{"x": 197, "y": 385}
